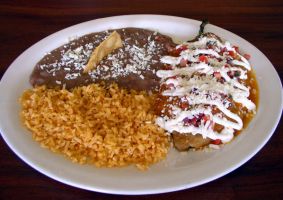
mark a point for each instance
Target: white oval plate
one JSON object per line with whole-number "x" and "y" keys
{"x": 178, "y": 171}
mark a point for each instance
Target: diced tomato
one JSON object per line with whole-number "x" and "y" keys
{"x": 183, "y": 62}
{"x": 232, "y": 53}
{"x": 206, "y": 118}
{"x": 230, "y": 74}
{"x": 223, "y": 50}
{"x": 184, "y": 105}
{"x": 194, "y": 121}
{"x": 173, "y": 77}
{"x": 236, "y": 48}
{"x": 217, "y": 75}
{"x": 209, "y": 46}
{"x": 186, "y": 121}
{"x": 219, "y": 59}
{"x": 216, "y": 142}
{"x": 203, "y": 58}
{"x": 247, "y": 56}
{"x": 176, "y": 52}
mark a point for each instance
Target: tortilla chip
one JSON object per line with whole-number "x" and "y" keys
{"x": 112, "y": 42}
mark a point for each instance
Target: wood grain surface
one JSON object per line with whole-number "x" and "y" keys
{"x": 22, "y": 23}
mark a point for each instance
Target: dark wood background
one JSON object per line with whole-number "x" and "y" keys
{"x": 22, "y": 23}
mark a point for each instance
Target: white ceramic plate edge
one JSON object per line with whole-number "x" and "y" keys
{"x": 148, "y": 191}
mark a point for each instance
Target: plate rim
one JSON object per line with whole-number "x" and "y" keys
{"x": 138, "y": 192}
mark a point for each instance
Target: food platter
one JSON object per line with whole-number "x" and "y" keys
{"x": 178, "y": 171}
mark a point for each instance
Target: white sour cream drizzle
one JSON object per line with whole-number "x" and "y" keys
{"x": 204, "y": 92}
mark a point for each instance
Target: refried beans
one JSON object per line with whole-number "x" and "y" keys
{"x": 133, "y": 66}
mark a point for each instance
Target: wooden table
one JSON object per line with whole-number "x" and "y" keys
{"x": 261, "y": 22}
